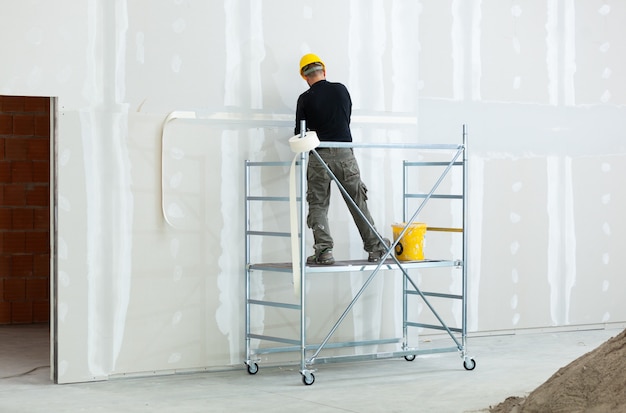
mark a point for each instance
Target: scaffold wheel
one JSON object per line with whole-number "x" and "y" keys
{"x": 253, "y": 368}
{"x": 410, "y": 357}
{"x": 308, "y": 378}
{"x": 469, "y": 363}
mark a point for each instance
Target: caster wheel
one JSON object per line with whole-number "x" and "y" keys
{"x": 253, "y": 368}
{"x": 410, "y": 357}
{"x": 308, "y": 379}
{"x": 469, "y": 363}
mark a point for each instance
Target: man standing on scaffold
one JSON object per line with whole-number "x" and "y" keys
{"x": 326, "y": 108}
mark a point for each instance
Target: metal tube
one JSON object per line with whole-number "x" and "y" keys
{"x": 465, "y": 244}
{"x": 328, "y": 144}
{"x": 405, "y": 285}
{"x": 302, "y": 252}
{"x": 247, "y": 256}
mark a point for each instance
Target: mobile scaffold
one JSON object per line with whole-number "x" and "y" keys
{"x": 455, "y": 156}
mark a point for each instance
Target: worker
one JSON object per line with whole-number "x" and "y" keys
{"x": 326, "y": 108}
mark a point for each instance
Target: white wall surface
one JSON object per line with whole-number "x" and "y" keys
{"x": 540, "y": 84}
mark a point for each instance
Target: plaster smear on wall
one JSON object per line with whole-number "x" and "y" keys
{"x": 561, "y": 238}
{"x": 367, "y": 39}
{"x": 476, "y": 167}
{"x": 227, "y": 314}
{"x": 458, "y": 51}
{"x": 245, "y": 51}
{"x": 108, "y": 229}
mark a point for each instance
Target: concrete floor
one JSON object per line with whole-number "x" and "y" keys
{"x": 507, "y": 365}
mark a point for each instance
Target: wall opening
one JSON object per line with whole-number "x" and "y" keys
{"x": 25, "y": 243}
{"x": 24, "y": 210}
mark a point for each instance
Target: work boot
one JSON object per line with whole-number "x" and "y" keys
{"x": 375, "y": 256}
{"x": 325, "y": 258}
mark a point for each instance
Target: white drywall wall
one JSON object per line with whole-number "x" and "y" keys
{"x": 541, "y": 84}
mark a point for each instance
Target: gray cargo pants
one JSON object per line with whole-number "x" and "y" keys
{"x": 343, "y": 164}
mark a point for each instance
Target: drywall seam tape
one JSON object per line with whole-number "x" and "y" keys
{"x": 298, "y": 145}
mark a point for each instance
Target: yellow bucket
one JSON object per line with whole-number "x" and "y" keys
{"x": 411, "y": 246}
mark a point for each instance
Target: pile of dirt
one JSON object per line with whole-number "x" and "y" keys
{"x": 593, "y": 383}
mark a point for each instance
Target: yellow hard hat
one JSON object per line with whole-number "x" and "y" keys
{"x": 309, "y": 58}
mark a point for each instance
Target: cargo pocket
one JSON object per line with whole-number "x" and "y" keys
{"x": 350, "y": 170}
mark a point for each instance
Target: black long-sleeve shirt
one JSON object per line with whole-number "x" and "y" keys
{"x": 326, "y": 107}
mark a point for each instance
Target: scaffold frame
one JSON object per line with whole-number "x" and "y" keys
{"x": 310, "y": 353}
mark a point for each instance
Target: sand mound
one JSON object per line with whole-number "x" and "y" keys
{"x": 593, "y": 383}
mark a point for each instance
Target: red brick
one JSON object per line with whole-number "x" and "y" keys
{"x": 37, "y": 289}
{"x": 21, "y": 171}
{"x": 24, "y": 125}
{"x": 22, "y": 265}
{"x": 22, "y": 218}
{"x": 14, "y": 195}
{"x": 41, "y": 265}
{"x": 39, "y": 149}
{"x": 22, "y": 312}
{"x": 13, "y": 242}
{"x": 41, "y": 311}
{"x": 41, "y": 172}
{"x": 5, "y": 171}
{"x": 6, "y": 124}
{"x": 41, "y": 218}
{"x": 5, "y": 268}
{"x": 6, "y": 219}
{"x": 16, "y": 149}
{"x": 14, "y": 289}
{"x": 13, "y": 103}
{"x": 5, "y": 312}
{"x": 38, "y": 195}
{"x": 42, "y": 126}
{"x": 38, "y": 242}
{"x": 36, "y": 104}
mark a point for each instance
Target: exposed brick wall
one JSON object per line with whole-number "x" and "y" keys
{"x": 24, "y": 209}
